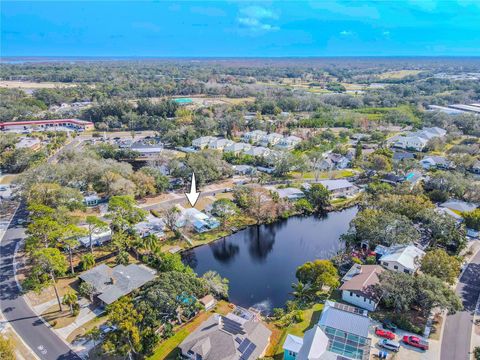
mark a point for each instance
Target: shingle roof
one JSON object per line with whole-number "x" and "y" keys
{"x": 362, "y": 281}
{"x": 113, "y": 283}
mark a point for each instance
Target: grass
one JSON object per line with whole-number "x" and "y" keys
{"x": 56, "y": 318}
{"x": 168, "y": 349}
{"x": 95, "y": 322}
{"x": 310, "y": 318}
{"x": 400, "y": 74}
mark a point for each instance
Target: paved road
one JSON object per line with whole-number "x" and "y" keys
{"x": 43, "y": 341}
{"x": 458, "y": 327}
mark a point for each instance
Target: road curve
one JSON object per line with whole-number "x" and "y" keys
{"x": 40, "y": 338}
{"x": 458, "y": 327}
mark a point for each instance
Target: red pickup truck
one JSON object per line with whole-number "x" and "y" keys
{"x": 415, "y": 341}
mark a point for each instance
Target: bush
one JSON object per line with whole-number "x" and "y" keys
{"x": 356, "y": 260}
{"x": 371, "y": 260}
{"x": 404, "y": 323}
{"x": 476, "y": 353}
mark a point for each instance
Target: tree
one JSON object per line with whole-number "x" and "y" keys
{"x": 472, "y": 219}
{"x": 397, "y": 289}
{"x": 171, "y": 216}
{"x": 161, "y": 181}
{"x": 70, "y": 299}
{"x": 318, "y": 196}
{"x": 48, "y": 263}
{"x": 317, "y": 274}
{"x": 433, "y": 292}
{"x": 441, "y": 265}
{"x": 301, "y": 291}
{"x": 94, "y": 225}
{"x": 125, "y": 340}
{"x": 94, "y": 334}
{"x": 87, "y": 290}
{"x": 145, "y": 184}
{"x": 88, "y": 261}
{"x": 224, "y": 208}
{"x": 54, "y": 195}
{"x": 70, "y": 234}
{"x": 216, "y": 284}
{"x": 6, "y": 349}
{"x": 124, "y": 212}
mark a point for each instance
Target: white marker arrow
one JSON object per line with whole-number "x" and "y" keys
{"x": 193, "y": 195}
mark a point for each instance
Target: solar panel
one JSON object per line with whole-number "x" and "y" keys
{"x": 244, "y": 345}
{"x": 238, "y": 340}
{"x": 251, "y": 348}
{"x": 232, "y": 327}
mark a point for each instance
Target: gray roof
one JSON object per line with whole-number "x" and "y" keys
{"x": 113, "y": 283}
{"x": 344, "y": 318}
{"x": 459, "y": 205}
{"x": 219, "y": 338}
{"x": 332, "y": 185}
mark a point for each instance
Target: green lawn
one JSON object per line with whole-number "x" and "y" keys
{"x": 310, "y": 318}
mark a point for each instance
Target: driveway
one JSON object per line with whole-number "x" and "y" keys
{"x": 458, "y": 327}
{"x": 38, "y": 336}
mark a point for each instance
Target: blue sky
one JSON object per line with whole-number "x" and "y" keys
{"x": 240, "y": 28}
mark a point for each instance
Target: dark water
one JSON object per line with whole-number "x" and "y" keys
{"x": 261, "y": 262}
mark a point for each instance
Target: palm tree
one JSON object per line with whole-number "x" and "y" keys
{"x": 70, "y": 299}
{"x": 88, "y": 261}
{"x": 301, "y": 291}
{"x": 150, "y": 243}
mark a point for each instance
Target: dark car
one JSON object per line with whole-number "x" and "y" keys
{"x": 389, "y": 325}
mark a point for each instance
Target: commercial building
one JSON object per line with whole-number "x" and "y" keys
{"x": 48, "y": 125}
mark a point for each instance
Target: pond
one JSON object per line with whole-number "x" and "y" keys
{"x": 260, "y": 262}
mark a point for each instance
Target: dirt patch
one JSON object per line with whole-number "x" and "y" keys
{"x": 33, "y": 85}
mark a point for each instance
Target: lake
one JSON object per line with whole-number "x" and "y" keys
{"x": 260, "y": 262}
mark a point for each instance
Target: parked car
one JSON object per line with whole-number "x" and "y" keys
{"x": 415, "y": 341}
{"x": 384, "y": 333}
{"x": 3, "y": 188}
{"x": 389, "y": 325}
{"x": 389, "y": 345}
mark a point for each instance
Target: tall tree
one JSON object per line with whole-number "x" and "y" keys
{"x": 95, "y": 225}
{"x": 319, "y": 197}
{"x": 441, "y": 265}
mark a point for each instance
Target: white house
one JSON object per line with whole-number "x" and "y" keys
{"x": 288, "y": 193}
{"x": 337, "y": 188}
{"x": 358, "y": 286}
{"x": 151, "y": 226}
{"x": 271, "y": 139}
{"x": 432, "y": 162}
{"x": 257, "y": 151}
{"x": 91, "y": 199}
{"x": 219, "y": 144}
{"x": 237, "y": 148}
{"x": 417, "y": 140}
{"x": 288, "y": 142}
{"x": 203, "y": 142}
{"x": 402, "y": 258}
{"x": 254, "y": 136}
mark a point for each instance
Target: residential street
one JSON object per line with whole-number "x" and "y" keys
{"x": 43, "y": 341}
{"x": 458, "y": 327}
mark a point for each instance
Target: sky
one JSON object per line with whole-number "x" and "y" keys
{"x": 240, "y": 28}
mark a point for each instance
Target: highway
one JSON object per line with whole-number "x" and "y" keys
{"x": 458, "y": 327}
{"x": 40, "y": 338}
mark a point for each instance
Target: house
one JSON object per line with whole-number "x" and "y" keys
{"x": 147, "y": 147}
{"x": 475, "y": 167}
{"x": 237, "y": 148}
{"x": 289, "y": 193}
{"x": 236, "y": 336}
{"x": 203, "y": 142}
{"x": 91, "y": 199}
{"x": 435, "y": 162}
{"x": 413, "y": 177}
{"x": 111, "y": 284}
{"x": 151, "y": 226}
{"x": 271, "y": 139}
{"x": 244, "y": 169}
{"x": 288, "y": 143}
{"x": 219, "y": 144}
{"x": 208, "y": 302}
{"x": 200, "y": 221}
{"x": 392, "y": 179}
{"x": 358, "y": 286}
{"x": 402, "y": 155}
{"x": 340, "y": 187}
{"x": 419, "y": 139}
{"x": 259, "y": 151}
{"x": 459, "y": 205}
{"x": 341, "y": 333}
{"x": 401, "y": 258}
{"x": 98, "y": 238}
{"x": 254, "y": 136}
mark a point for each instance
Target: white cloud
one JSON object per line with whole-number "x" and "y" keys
{"x": 255, "y": 19}
{"x": 386, "y": 33}
{"x": 346, "y": 33}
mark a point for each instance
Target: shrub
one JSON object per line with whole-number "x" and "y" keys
{"x": 404, "y": 323}
{"x": 371, "y": 260}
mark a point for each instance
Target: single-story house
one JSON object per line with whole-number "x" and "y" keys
{"x": 200, "y": 221}
{"x": 435, "y": 162}
{"x": 288, "y": 193}
{"x": 91, "y": 199}
{"x": 271, "y": 139}
{"x": 341, "y": 333}
{"x": 208, "y": 302}
{"x": 147, "y": 148}
{"x": 340, "y": 187}
{"x": 257, "y": 151}
{"x": 111, "y": 284}
{"x": 402, "y": 155}
{"x": 244, "y": 169}
{"x": 151, "y": 226}
{"x": 219, "y": 144}
{"x": 358, "y": 286}
{"x": 459, "y": 205}
{"x": 401, "y": 258}
{"x": 98, "y": 238}
{"x": 232, "y": 337}
{"x": 392, "y": 179}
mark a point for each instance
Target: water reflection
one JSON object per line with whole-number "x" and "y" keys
{"x": 260, "y": 262}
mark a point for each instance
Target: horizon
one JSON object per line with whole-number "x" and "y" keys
{"x": 236, "y": 29}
